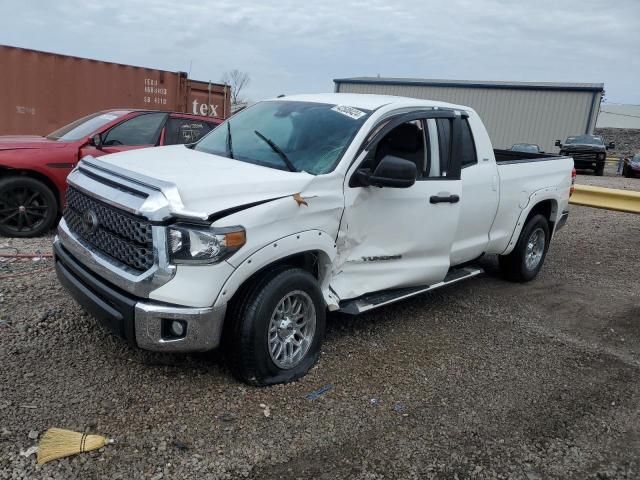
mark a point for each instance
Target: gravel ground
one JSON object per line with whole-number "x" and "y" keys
{"x": 627, "y": 140}
{"x": 485, "y": 379}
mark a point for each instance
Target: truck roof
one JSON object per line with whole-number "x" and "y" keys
{"x": 368, "y": 101}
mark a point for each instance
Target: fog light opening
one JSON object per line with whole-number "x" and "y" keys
{"x": 173, "y": 329}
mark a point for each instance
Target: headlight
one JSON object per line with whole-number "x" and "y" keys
{"x": 602, "y": 155}
{"x": 189, "y": 244}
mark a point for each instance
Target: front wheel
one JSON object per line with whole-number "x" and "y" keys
{"x": 28, "y": 207}
{"x": 599, "y": 170}
{"x": 527, "y": 257}
{"x": 277, "y": 327}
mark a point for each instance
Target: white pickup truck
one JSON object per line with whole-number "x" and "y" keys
{"x": 294, "y": 207}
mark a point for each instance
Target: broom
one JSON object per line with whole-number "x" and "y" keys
{"x": 59, "y": 443}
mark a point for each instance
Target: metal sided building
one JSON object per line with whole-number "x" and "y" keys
{"x": 513, "y": 112}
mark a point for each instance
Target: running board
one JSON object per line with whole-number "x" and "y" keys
{"x": 385, "y": 297}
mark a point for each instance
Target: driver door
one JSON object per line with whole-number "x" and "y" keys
{"x": 401, "y": 237}
{"x": 140, "y": 131}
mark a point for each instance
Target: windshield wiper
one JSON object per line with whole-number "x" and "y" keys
{"x": 279, "y": 151}
{"x": 229, "y": 141}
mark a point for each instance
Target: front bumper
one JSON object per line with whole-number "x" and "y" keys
{"x": 587, "y": 163}
{"x": 140, "y": 322}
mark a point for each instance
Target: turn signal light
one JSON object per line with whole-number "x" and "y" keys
{"x": 573, "y": 181}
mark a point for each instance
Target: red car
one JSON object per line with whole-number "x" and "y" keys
{"x": 33, "y": 170}
{"x": 631, "y": 167}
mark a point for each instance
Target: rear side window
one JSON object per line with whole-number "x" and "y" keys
{"x": 469, "y": 156}
{"x": 141, "y": 130}
{"x": 185, "y": 130}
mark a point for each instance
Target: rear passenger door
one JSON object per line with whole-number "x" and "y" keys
{"x": 400, "y": 237}
{"x": 480, "y": 193}
{"x": 184, "y": 130}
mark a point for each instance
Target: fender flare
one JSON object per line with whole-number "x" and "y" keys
{"x": 306, "y": 241}
{"x": 549, "y": 193}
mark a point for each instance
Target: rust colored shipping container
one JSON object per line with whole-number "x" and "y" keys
{"x": 40, "y": 91}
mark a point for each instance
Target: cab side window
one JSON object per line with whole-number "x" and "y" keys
{"x": 405, "y": 141}
{"x": 185, "y": 130}
{"x": 141, "y": 130}
{"x": 427, "y": 143}
{"x": 469, "y": 156}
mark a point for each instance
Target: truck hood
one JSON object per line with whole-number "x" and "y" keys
{"x": 210, "y": 183}
{"x": 583, "y": 147}
{"x": 16, "y": 142}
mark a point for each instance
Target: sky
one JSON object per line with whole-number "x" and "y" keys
{"x": 297, "y": 46}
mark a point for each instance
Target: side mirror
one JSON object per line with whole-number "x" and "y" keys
{"x": 96, "y": 141}
{"x": 558, "y": 143}
{"x": 611, "y": 146}
{"x": 394, "y": 172}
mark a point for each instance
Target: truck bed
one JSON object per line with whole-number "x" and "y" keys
{"x": 521, "y": 175}
{"x": 509, "y": 156}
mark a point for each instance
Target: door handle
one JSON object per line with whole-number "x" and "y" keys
{"x": 444, "y": 199}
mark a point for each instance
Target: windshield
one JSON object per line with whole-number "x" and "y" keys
{"x": 85, "y": 126}
{"x": 312, "y": 136}
{"x": 525, "y": 147}
{"x": 584, "y": 140}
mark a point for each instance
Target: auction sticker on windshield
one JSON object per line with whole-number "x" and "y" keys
{"x": 348, "y": 111}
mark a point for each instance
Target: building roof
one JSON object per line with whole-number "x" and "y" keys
{"x": 367, "y": 101}
{"x": 430, "y": 82}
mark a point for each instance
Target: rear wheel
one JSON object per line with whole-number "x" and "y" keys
{"x": 276, "y": 328}
{"x": 626, "y": 171}
{"x": 28, "y": 207}
{"x": 527, "y": 257}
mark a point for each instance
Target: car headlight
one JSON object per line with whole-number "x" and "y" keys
{"x": 602, "y": 155}
{"x": 194, "y": 244}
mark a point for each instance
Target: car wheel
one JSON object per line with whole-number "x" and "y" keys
{"x": 527, "y": 257}
{"x": 28, "y": 207}
{"x": 599, "y": 170}
{"x": 276, "y": 327}
{"x": 626, "y": 171}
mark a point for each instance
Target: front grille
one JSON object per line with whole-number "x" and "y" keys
{"x": 587, "y": 156}
{"x": 122, "y": 236}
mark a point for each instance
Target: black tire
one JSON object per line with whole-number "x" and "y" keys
{"x": 514, "y": 266}
{"x": 246, "y": 336}
{"x": 28, "y": 208}
{"x": 626, "y": 171}
{"x": 599, "y": 171}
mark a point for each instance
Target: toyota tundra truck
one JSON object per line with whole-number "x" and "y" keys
{"x": 293, "y": 208}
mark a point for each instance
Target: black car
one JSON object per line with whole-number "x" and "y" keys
{"x": 526, "y": 148}
{"x": 588, "y": 151}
